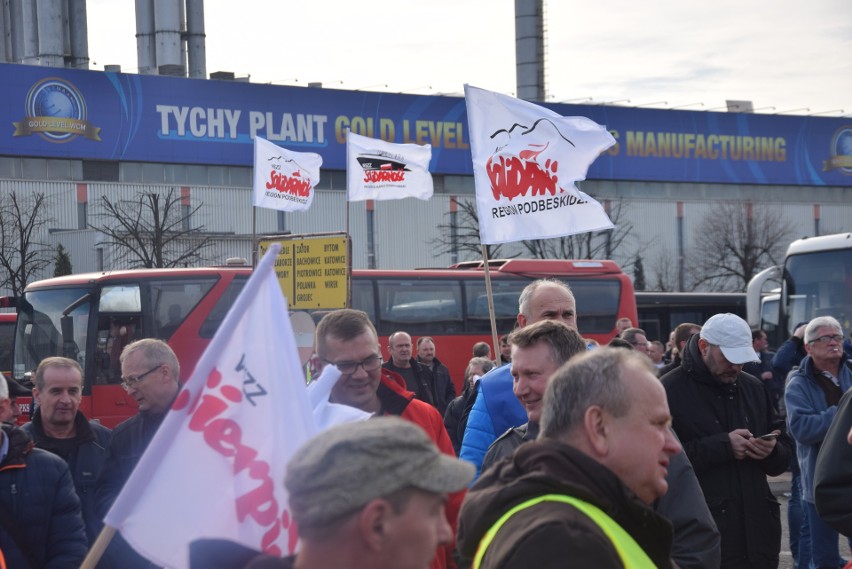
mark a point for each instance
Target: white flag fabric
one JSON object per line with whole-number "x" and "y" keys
{"x": 215, "y": 468}
{"x": 526, "y": 159}
{"x": 326, "y": 413}
{"x": 379, "y": 170}
{"x": 284, "y": 180}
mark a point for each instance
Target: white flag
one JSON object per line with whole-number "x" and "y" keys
{"x": 215, "y": 468}
{"x": 526, "y": 159}
{"x": 379, "y": 170}
{"x": 284, "y": 180}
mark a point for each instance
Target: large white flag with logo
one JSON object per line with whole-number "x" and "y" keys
{"x": 379, "y": 170}
{"x": 215, "y": 468}
{"x": 284, "y": 180}
{"x": 526, "y": 159}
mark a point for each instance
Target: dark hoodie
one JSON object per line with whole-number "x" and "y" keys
{"x": 704, "y": 410}
{"x": 550, "y": 534}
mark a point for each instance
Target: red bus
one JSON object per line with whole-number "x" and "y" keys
{"x": 91, "y": 317}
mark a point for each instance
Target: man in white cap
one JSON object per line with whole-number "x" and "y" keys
{"x": 725, "y": 421}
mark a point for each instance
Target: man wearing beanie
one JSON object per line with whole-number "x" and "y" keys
{"x": 726, "y": 423}
{"x": 369, "y": 494}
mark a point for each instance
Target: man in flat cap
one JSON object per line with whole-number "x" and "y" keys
{"x": 366, "y": 494}
{"x": 729, "y": 431}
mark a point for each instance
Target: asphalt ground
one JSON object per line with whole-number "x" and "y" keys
{"x": 780, "y": 486}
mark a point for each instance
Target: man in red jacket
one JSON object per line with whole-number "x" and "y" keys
{"x": 347, "y": 339}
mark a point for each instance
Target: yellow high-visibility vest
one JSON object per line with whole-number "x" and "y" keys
{"x": 631, "y": 554}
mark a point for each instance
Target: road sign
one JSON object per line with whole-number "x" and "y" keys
{"x": 313, "y": 269}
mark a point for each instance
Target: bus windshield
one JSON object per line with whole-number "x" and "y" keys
{"x": 39, "y": 329}
{"x": 818, "y": 284}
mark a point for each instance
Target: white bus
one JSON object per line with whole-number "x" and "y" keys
{"x": 816, "y": 280}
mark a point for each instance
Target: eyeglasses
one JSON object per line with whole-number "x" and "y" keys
{"x": 132, "y": 380}
{"x": 826, "y": 339}
{"x": 371, "y": 363}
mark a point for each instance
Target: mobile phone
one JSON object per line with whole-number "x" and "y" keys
{"x": 768, "y": 436}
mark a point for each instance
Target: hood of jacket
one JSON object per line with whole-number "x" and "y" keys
{"x": 552, "y": 467}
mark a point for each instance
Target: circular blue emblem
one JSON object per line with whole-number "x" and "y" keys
{"x": 841, "y": 145}
{"x": 58, "y": 99}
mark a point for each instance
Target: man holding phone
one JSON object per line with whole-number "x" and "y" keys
{"x": 729, "y": 431}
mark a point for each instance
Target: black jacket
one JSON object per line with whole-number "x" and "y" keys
{"x": 832, "y": 480}
{"x": 696, "y": 542}
{"x": 37, "y": 492}
{"x": 129, "y": 441}
{"x": 455, "y": 417}
{"x": 443, "y": 389}
{"x": 425, "y": 388}
{"x": 84, "y": 462}
{"x": 555, "y": 535}
{"x": 704, "y": 411}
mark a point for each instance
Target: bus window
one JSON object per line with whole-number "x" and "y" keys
{"x": 38, "y": 333}
{"x": 7, "y": 333}
{"x": 172, "y": 300}
{"x": 419, "y": 307}
{"x": 363, "y": 297}
{"x": 505, "y": 292}
{"x": 597, "y": 304}
{"x": 223, "y": 304}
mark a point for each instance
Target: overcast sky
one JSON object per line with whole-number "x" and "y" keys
{"x": 792, "y": 55}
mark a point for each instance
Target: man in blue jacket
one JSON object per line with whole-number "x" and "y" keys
{"x": 58, "y": 426}
{"x": 496, "y": 408}
{"x": 813, "y": 393}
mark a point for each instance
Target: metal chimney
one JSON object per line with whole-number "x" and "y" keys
{"x": 146, "y": 52}
{"x": 195, "y": 39}
{"x": 50, "y": 37}
{"x": 78, "y": 38}
{"x": 529, "y": 49}
{"x": 167, "y": 32}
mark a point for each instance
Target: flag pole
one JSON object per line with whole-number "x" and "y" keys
{"x": 490, "y": 297}
{"x": 253, "y": 237}
{"x": 98, "y": 548}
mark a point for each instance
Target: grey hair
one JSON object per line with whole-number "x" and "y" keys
{"x": 155, "y": 352}
{"x": 4, "y": 390}
{"x": 529, "y": 291}
{"x": 821, "y": 322}
{"x": 594, "y": 378}
{"x": 57, "y": 362}
{"x": 631, "y": 333}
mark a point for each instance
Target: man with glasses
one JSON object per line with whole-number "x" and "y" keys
{"x": 733, "y": 439}
{"x": 812, "y": 396}
{"x": 150, "y": 373}
{"x": 347, "y": 339}
{"x": 636, "y": 337}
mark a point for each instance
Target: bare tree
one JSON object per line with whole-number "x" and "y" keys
{"x": 461, "y": 234}
{"x": 23, "y": 222}
{"x": 738, "y": 239}
{"x": 153, "y": 230}
{"x": 664, "y": 269}
{"x": 595, "y": 245}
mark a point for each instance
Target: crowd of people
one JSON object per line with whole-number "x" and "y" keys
{"x": 556, "y": 452}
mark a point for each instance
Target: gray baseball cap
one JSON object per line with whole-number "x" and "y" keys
{"x": 344, "y": 468}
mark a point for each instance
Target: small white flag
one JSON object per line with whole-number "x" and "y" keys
{"x": 526, "y": 159}
{"x": 379, "y": 170}
{"x": 284, "y": 180}
{"x": 215, "y": 468}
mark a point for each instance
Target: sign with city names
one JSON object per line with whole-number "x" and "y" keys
{"x": 313, "y": 269}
